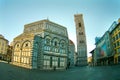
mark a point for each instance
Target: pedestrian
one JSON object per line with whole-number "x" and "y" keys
{"x": 54, "y": 68}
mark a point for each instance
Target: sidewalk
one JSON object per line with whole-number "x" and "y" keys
{"x": 3, "y": 61}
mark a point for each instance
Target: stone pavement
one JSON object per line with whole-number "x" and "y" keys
{"x": 11, "y": 72}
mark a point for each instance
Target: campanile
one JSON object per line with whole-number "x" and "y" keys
{"x": 81, "y": 40}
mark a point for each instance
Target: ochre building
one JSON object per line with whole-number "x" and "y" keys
{"x": 115, "y": 38}
{"x": 3, "y": 47}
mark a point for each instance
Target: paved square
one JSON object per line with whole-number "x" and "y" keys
{"x": 11, "y": 72}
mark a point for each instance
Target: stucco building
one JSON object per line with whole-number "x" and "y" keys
{"x": 107, "y": 51}
{"x": 42, "y": 45}
{"x": 115, "y": 41}
{"x": 3, "y": 46}
{"x": 94, "y": 57}
{"x": 103, "y": 49}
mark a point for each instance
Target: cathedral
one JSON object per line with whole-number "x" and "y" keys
{"x": 81, "y": 41}
{"x": 42, "y": 45}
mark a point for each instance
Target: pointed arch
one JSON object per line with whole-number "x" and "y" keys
{"x": 17, "y": 44}
{"x": 26, "y": 43}
{"x": 26, "y": 52}
{"x": 55, "y": 44}
{"x": 55, "y": 41}
{"x": 62, "y": 43}
{"x": 17, "y": 52}
{"x": 63, "y": 46}
{"x": 47, "y": 40}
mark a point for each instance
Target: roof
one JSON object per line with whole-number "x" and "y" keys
{"x": 71, "y": 42}
{"x": 1, "y": 36}
{"x": 92, "y": 51}
{"x": 44, "y": 20}
{"x": 115, "y": 27}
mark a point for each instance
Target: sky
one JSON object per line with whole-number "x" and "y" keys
{"x": 98, "y": 16}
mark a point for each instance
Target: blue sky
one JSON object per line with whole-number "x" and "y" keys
{"x": 98, "y": 16}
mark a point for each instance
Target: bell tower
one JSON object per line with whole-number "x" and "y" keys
{"x": 81, "y": 40}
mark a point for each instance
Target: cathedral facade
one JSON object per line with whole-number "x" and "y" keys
{"x": 81, "y": 58}
{"x": 42, "y": 45}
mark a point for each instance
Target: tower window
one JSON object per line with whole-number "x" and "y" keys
{"x": 80, "y": 33}
{"x": 81, "y": 41}
{"x": 79, "y": 24}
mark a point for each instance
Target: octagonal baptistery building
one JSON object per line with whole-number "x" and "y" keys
{"x": 42, "y": 45}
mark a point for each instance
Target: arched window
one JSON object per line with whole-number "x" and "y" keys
{"x": 26, "y": 44}
{"x": 79, "y": 24}
{"x": 17, "y": 45}
{"x": 62, "y": 46}
{"x": 47, "y": 46}
{"x": 17, "y": 49}
{"x": 26, "y": 51}
{"x": 17, "y": 52}
{"x": 55, "y": 44}
{"x": 48, "y": 41}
